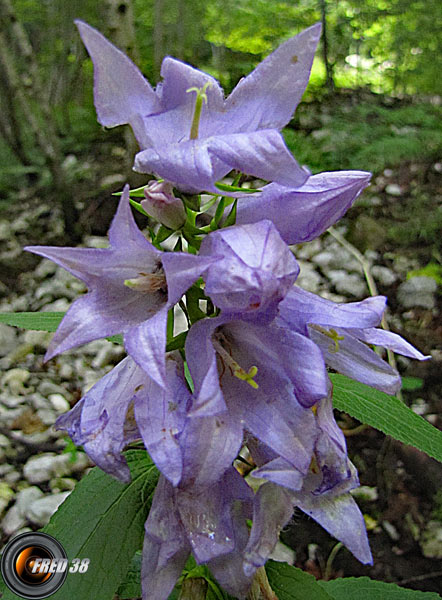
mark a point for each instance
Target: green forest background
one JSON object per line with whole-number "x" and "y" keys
{"x": 373, "y": 102}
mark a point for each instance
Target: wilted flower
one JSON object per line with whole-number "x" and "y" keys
{"x": 189, "y": 134}
{"x": 131, "y": 286}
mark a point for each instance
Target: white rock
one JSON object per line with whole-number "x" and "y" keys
{"x": 66, "y": 371}
{"x": 417, "y": 291}
{"x": 12, "y": 520}
{"x": 431, "y": 541}
{"x": 59, "y": 403}
{"x": 42, "y": 510}
{"x": 308, "y": 278}
{"x": 47, "y": 466}
{"x": 14, "y": 379}
{"x": 349, "y": 284}
{"x": 8, "y": 339}
{"x": 384, "y": 275}
{"x": 15, "y": 517}
{"x": 45, "y": 268}
{"x": 393, "y": 189}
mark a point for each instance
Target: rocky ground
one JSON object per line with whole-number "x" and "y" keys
{"x": 39, "y": 467}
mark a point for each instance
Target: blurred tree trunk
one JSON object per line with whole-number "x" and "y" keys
{"x": 120, "y": 26}
{"x": 158, "y": 36}
{"x": 31, "y": 113}
{"x": 329, "y": 79}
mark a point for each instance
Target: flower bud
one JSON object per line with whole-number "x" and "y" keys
{"x": 162, "y": 205}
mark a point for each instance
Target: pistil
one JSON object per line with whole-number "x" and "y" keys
{"x": 201, "y": 97}
{"x": 237, "y": 370}
{"x": 332, "y": 334}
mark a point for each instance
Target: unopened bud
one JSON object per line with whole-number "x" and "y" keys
{"x": 162, "y": 205}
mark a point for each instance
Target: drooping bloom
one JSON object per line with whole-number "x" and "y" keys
{"x": 189, "y": 134}
{"x": 323, "y": 493}
{"x": 131, "y": 287}
{"x": 303, "y": 213}
{"x": 126, "y": 405}
{"x": 342, "y": 332}
{"x": 242, "y": 361}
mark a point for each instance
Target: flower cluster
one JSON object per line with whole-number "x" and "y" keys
{"x": 251, "y": 369}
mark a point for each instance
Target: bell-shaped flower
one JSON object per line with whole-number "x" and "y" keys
{"x": 256, "y": 270}
{"x": 189, "y": 134}
{"x": 342, "y": 332}
{"x": 131, "y": 287}
{"x": 126, "y": 405}
{"x": 323, "y": 493}
{"x": 300, "y": 214}
{"x": 243, "y": 346}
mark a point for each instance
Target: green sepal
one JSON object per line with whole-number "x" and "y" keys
{"x": 138, "y": 207}
{"x": 224, "y": 187}
{"x": 231, "y": 217}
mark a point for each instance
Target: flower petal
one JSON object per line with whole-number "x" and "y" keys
{"x": 100, "y": 421}
{"x": 301, "y": 308}
{"x": 267, "y": 98}
{"x": 388, "y": 339}
{"x": 146, "y": 343}
{"x": 341, "y": 517}
{"x": 195, "y": 165}
{"x": 165, "y": 548}
{"x": 354, "y": 359}
{"x": 209, "y": 446}
{"x": 120, "y": 90}
{"x": 304, "y": 212}
{"x": 255, "y": 271}
{"x": 178, "y": 77}
{"x": 160, "y": 415}
{"x": 272, "y": 508}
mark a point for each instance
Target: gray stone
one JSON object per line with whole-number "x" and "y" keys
{"x": 59, "y": 402}
{"x": 417, "y": 291}
{"x": 40, "y": 511}
{"x": 15, "y": 380}
{"x": 49, "y": 465}
{"x": 384, "y": 275}
{"x": 308, "y": 278}
{"x": 15, "y": 517}
{"x": 45, "y": 268}
{"x": 393, "y": 189}
{"x": 431, "y": 540}
{"x": 8, "y": 339}
{"x": 349, "y": 284}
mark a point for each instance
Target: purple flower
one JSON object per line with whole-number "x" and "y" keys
{"x": 256, "y": 270}
{"x": 131, "y": 286}
{"x": 189, "y": 134}
{"x": 301, "y": 214}
{"x": 126, "y": 405}
{"x": 342, "y": 332}
{"x": 324, "y": 492}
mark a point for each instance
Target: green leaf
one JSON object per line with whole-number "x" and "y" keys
{"x": 364, "y": 588}
{"x": 290, "y": 583}
{"x": 387, "y": 413}
{"x": 131, "y": 585}
{"x": 41, "y": 321}
{"x": 231, "y": 217}
{"x": 103, "y": 519}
